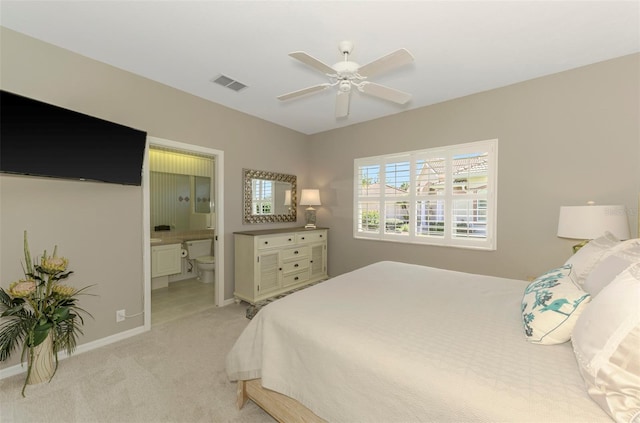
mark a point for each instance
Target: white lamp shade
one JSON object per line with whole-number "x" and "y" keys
{"x": 590, "y": 222}
{"x": 310, "y": 197}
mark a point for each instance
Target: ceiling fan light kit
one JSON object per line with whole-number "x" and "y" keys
{"x": 346, "y": 74}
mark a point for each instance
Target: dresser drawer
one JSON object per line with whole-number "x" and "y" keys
{"x": 275, "y": 241}
{"x": 309, "y": 237}
{"x": 295, "y": 278}
{"x": 294, "y": 266}
{"x": 295, "y": 253}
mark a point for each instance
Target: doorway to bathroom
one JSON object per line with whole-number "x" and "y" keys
{"x": 183, "y": 202}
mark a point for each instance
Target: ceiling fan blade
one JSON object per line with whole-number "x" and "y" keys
{"x": 384, "y": 92}
{"x": 393, "y": 60}
{"x": 313, "y": 62}
{"x": 304, "y": 91}
{"x": 342, "y": 104}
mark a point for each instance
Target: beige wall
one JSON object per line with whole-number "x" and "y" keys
{"x": 99, "y": 226}
{"x": 563, "y": 140}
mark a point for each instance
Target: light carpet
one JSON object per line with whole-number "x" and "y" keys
{"x": 173, "y": 373}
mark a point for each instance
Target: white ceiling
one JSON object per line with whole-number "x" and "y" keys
{"x": 460, "y": 47}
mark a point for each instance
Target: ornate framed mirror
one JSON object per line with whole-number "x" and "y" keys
{"x": 269, "y": 197}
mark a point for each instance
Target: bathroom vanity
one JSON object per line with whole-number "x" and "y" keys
{"x": 165, "y": 260}
{"x": 168, "y": 255}
{"x": 270, "y": 262}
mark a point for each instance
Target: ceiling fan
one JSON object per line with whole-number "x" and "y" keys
{"x": 347, "y": 74}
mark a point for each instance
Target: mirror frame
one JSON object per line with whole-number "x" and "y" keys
{"x": 247, "y": 176}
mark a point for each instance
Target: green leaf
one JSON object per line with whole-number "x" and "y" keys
{"x": 62, "y": 313}
{"x": 27, "y": 254}
{"x": 13, "y": 311}
{"x": 40, "y": 333}
{"x": 63, "y": 275}
{"x": 13, "y": 332}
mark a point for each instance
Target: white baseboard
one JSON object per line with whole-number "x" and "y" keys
{"x": 20, "y": 368}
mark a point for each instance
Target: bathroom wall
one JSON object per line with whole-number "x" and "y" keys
{"x": 174, "y": 196}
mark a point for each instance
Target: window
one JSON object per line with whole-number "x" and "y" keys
{"x": 440, "y": 196}
{"x": 262, "y": 201}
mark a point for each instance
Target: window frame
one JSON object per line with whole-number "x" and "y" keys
{"x": 388, "y": 194}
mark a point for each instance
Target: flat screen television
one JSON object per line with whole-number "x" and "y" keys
{"x": 41, "y": 139}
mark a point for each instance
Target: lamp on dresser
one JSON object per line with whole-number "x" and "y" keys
{"x": 592, "y": 221}
{"x": 310, "y": 197}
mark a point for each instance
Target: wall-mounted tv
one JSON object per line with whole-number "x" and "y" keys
{"x": 41, "y": 139}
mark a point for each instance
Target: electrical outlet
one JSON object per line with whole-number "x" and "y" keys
{"x": 120, "y": 316}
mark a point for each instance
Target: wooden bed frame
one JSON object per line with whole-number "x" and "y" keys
{"x": 285, "y": 409}
{"x": 280, "y": 407}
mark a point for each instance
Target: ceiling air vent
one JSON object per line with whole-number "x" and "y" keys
{"x": 230, "y": 83}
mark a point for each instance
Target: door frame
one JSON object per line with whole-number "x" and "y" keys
{"x": 218, "y": 241}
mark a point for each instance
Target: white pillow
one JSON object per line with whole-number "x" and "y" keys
{"x": 586, "y": 258}
{"x": 551, "y": 305}
{"x": 606, "y": 342}
{"x": 606, "y": 270}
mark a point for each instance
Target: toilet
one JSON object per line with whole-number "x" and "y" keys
{"x": 200, "y": 252}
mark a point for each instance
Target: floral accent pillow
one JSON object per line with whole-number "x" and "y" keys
{"x": 551, "y": 305}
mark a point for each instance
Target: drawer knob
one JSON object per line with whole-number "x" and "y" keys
{"x": 296, "y": 278}
{"x": 289, "y": 239}
{"x": 296, "y": 265}
{"x": 266, "y": 242}
{"x": 302, "y": 237}
{"x": 295, "y": 252}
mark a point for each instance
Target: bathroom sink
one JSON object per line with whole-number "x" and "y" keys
{"x": 155, "y": 240}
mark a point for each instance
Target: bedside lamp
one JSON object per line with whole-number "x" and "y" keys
{"x": 310, "y": 197}
{"x": 591, "y": 221}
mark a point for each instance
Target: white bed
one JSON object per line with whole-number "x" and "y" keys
{"x": 395, "y": 342}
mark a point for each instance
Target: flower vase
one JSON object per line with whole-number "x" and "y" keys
{"x": 42, "y": 363}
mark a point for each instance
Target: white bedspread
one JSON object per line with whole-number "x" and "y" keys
{"x": 394, "y": 342}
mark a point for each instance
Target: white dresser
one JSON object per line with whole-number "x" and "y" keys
{"x": 270, "y": 262}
